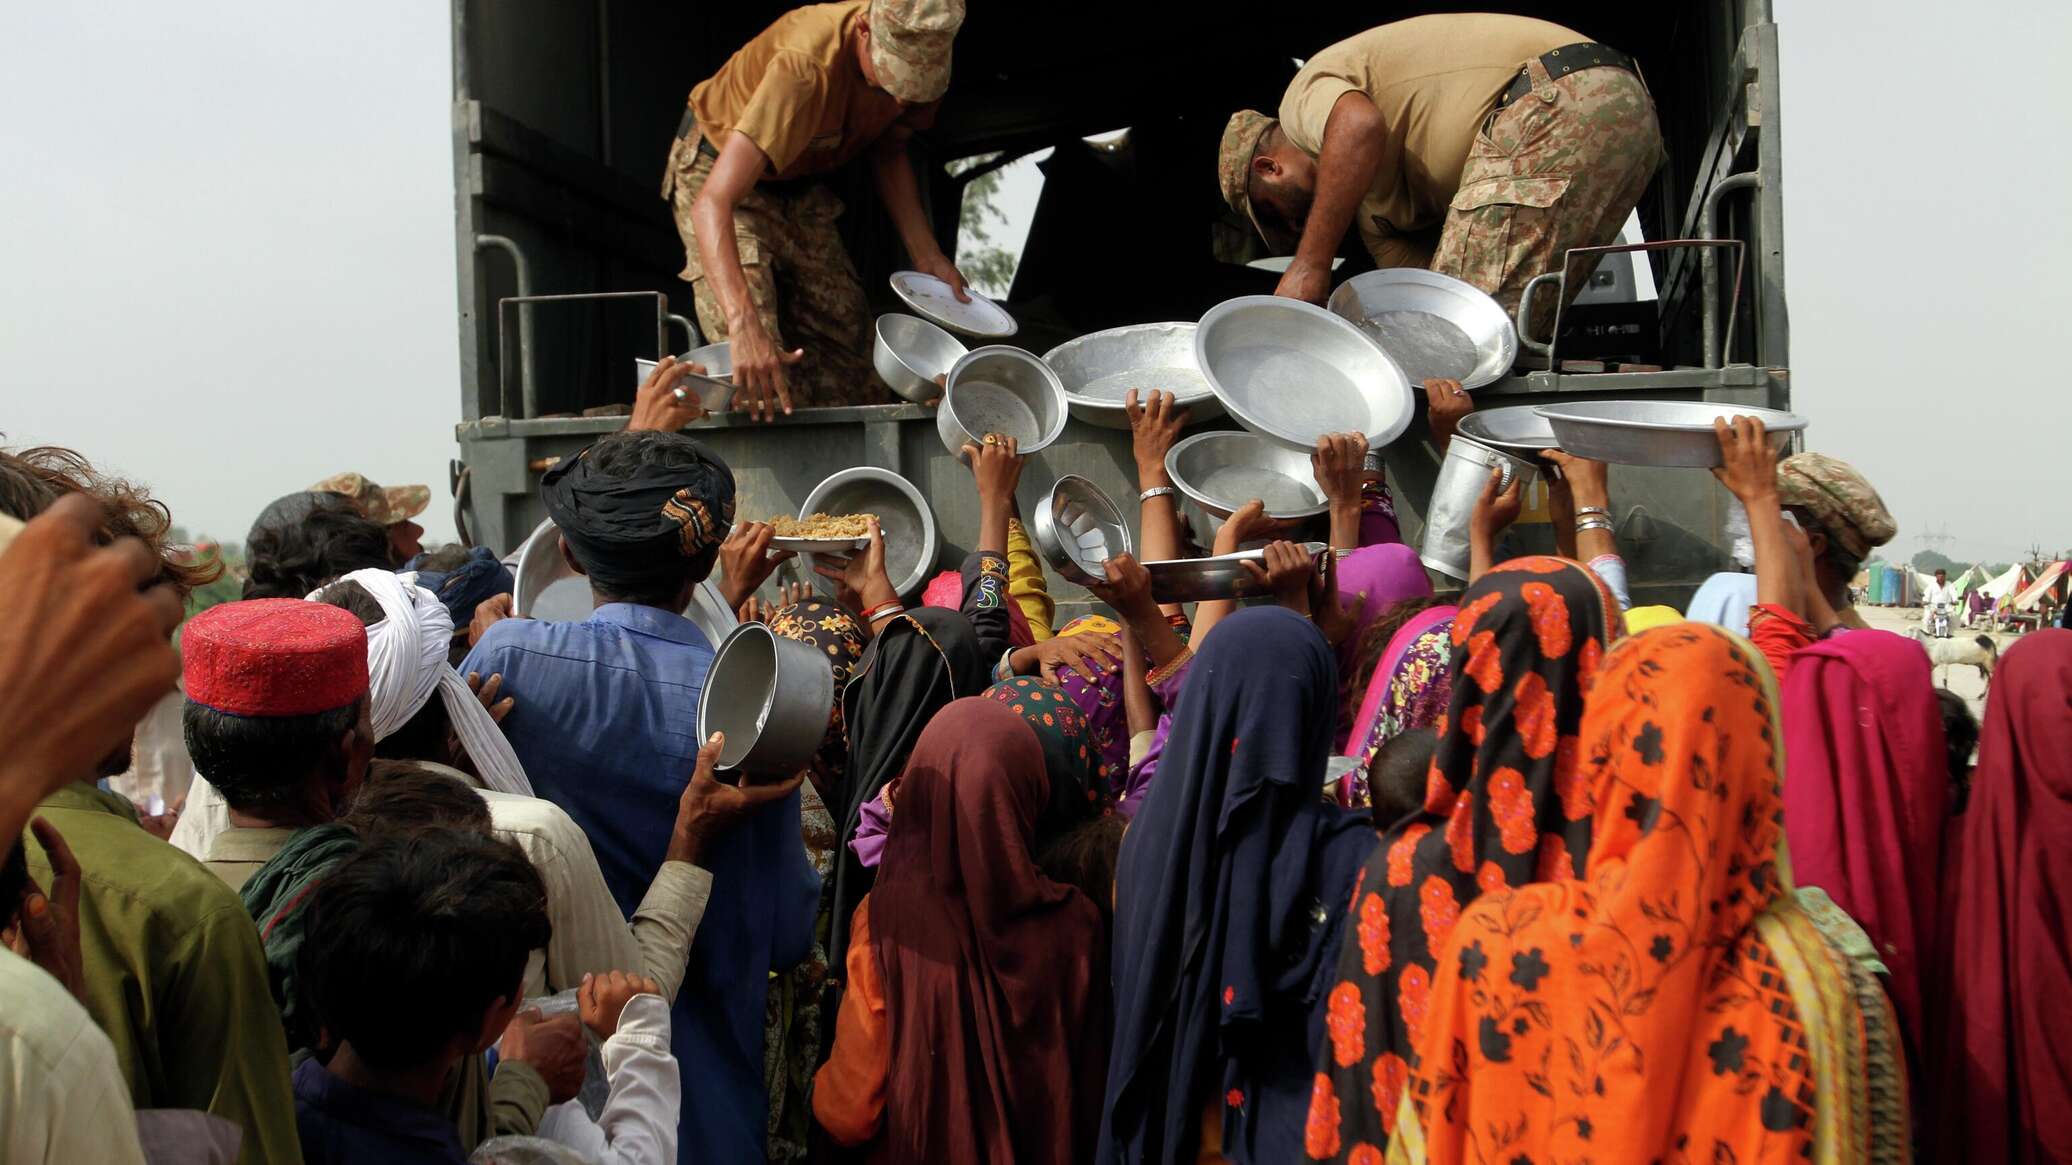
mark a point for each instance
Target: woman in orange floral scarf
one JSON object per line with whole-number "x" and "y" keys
{"x": 1502, "y": 808}
{"x": 1678, "y": 1003}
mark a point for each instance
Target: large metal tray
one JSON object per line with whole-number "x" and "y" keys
{"x": 1670, "y": 433}
{"x": 1098, "y": 371}
{"x": 1293, "y": 372}
{"x": 1222, "y": 470}
{"x": 1200, "y": 580}
{"x": 1431, "y": 325}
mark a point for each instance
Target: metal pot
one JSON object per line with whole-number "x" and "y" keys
{"x": 1292, "y": 372}
{"x": 911, "y": 539}
{"x": 910, "y": 353}
{"x": 1461, "y": 478}
{"x": 1004, "y": 390}
{"x": 771, "y": 697}
{"x": 1078, "y": 529}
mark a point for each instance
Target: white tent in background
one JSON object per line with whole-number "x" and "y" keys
{"x": 2003, "y": 586}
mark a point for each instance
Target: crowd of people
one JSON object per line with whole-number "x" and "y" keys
{"x": 1507, "y": 869}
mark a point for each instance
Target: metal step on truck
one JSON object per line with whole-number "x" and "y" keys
{"x": 563, "y": 114}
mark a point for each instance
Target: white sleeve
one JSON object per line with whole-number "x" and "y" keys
{"x": 639, "y": 1118}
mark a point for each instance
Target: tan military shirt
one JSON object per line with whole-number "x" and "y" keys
{"x": 1434, "y": 79}
{"x": 798, "y": 92}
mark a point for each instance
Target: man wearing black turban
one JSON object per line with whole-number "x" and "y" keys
{"x": 606, "y": 725}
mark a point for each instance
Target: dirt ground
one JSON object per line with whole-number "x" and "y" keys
{"x": 1959, "y": 678}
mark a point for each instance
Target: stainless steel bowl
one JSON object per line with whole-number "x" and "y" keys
{"x": 1519, "y": 429}
{"x": 771, "y": 696}
{"x": 1432, "y": 325}
{"x": 1291, "y": 371}
{"x": 1199, "y": 580}
{"x": 717, "y": 359}
{"x": 911, "y": 539}
{"x": 1004, "y": 390}
{"x": 547, "y": 588}
{"x": 1079, "y": 529}
{"x": 713, "y": 393}
{"x": 1100, "y": 369}
{"x": 1223, "y": 470}
{"x": 1672, "y": 433}
{"x": 910, "y": 353}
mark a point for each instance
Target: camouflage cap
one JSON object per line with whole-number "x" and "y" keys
{"x": 910, "y": 46}
{"x": 1847, "y": 509}
{"x": 1234, "y": 161}
{"x": 397, "y": 503}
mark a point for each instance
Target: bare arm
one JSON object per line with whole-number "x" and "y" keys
{"x": 1154, "y": 427}
{"x": 1249, "y": 522}
{"x": 758, "y": 365}
{"x": 1494, "y": 513}
{"x": 893, "y": 171}
{"x": 1749, "y": 470}
{"x": 1351, "y": 153}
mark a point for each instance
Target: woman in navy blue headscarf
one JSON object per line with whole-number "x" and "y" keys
{"x": 1232, "y": 885}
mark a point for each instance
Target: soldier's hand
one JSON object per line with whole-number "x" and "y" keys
{"x": 760, "y": 385}
{"x": 1305, "y": 281}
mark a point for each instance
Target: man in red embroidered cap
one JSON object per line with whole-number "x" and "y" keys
{"x": 276, "y": 719}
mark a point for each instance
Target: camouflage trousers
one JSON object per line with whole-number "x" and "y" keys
{"x": 800, "y": 280}
{"x": 1559, "y": 167}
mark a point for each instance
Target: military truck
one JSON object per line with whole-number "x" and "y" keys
{"x": 564, "y": 110}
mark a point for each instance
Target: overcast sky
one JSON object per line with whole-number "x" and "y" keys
{"x": 226, "y": 254}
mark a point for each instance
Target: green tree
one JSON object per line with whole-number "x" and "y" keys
{"x": 985, "y": 263}
{"x": 1930, "y": 561}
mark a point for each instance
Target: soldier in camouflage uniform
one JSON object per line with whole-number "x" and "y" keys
{"x": 1480, "y": 146}
{"x": 392, "y": 507}
{"x": 822, "y": 85}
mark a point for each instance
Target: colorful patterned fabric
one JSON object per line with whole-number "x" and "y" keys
{"x": 825, "y": 625}
{"x": 1410, "y": 688}
{"x": 1068, "y": 753}
{"x": 1100, "y": 701}
{"x": 1676, "y": 1002}
{"x": 1504, "y": 805}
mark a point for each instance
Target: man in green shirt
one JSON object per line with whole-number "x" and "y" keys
{"x": 174, "y": 974}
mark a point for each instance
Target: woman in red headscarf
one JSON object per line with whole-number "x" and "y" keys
{"x": 975, "y": 1026}
{"x": 1997, "y": 1069}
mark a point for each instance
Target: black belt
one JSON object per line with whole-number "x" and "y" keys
{"x": 1568, "y": 59}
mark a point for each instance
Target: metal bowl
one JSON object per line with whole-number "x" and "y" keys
{"x": 546, "y": 587}
{"x": 1291, "y": 371}
{"x": 1518, "y": 429}
{"x": 1672, "y": 433}
{"x": 911, "y": 539}
{"x": 1100, "y": 369}
{"x": 1004, "y": 390}
{"x": 1199, "y": 580}
{"x": 1432, "y": 325}
{"x": 910, "y": 353}
{"x": 717, "y": 359}
{"x": 771, "y": 696}
{"x": 713, "y": 393}
{"x": 1223, "y": 470}
{"x": 1079, "y": 529}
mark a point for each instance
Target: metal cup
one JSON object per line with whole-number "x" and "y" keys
{"x": 1461, "y": 478}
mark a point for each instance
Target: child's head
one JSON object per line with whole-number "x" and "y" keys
{"x": 417, "y": 945}
{"x": 1085, "y": 856}
{"x": 1396, "y": 779}
{"x": 1960, "y": 736}
{"x": 405, "y": 796}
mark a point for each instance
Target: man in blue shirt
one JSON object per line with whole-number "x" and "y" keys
{"x": 605, "y": 722}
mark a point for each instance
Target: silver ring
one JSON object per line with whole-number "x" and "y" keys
{"x": 682, "y": 397}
